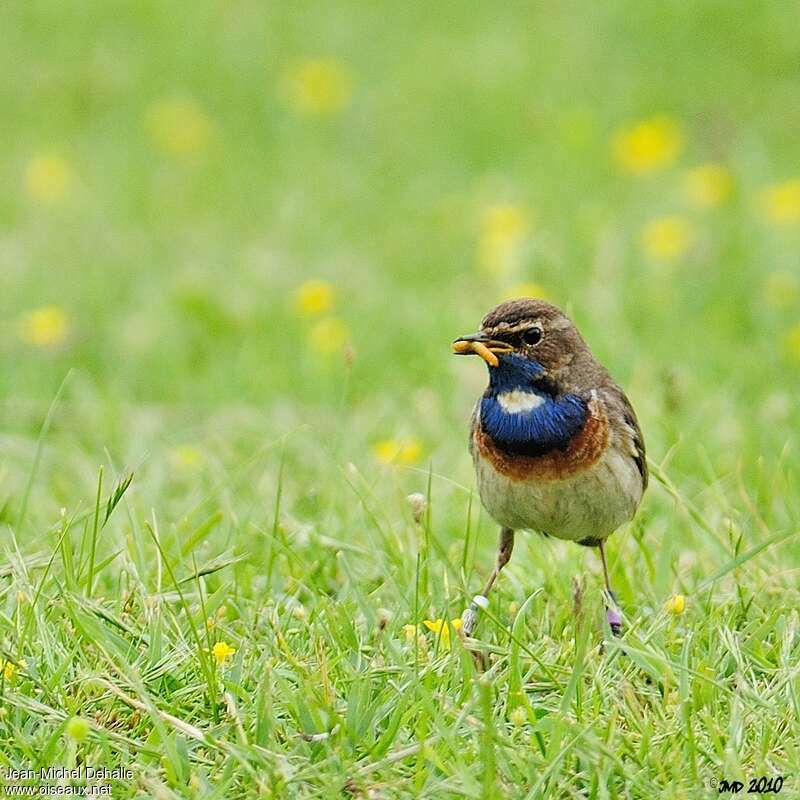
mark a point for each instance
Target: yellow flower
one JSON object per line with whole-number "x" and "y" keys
{"x": 221, "y": 652}
{"x": 780, "y": 203}
{"x": 410, "y": 632}
{"x": 442, "y": 629}
{"x": 314, "y": 297}
{"x": 792, "y": 341}
{"x": 649, "y": 145}
{"x": 44, "y": 327}
{"x": 708, "y": 186}
{"x": 179, "y": 128}
{"x": 504, "y": 228}
{"x": 9, "y": 670}
{"x": 187, "y": 457}
{"x": 48, "y": 178}
{"x": 666, "y": 238}
{"x": 398, "y": 451}
{"x": 318, "y": 86}
{"x": 676, "y": 604}
{"x": 781, "y": 289}
{"x": 526, "y": 290}
{"x": 328, "y": 336}
{"x": 505, "y": 221}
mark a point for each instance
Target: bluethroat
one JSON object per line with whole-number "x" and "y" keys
{"x": 555, "y": 442}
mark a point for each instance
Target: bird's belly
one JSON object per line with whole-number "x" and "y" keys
{"x": 589, "y": 504}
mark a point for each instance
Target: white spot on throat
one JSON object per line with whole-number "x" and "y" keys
{"x": 517, "y": 401}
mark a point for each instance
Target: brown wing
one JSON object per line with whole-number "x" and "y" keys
{"x": 622, "y": 407}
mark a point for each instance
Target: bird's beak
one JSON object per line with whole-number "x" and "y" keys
{"x": 481, "y": 345}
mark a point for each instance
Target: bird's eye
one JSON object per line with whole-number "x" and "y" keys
{"x": 532, "y": 336}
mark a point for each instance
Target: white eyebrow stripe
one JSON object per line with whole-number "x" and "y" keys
{"x": 517, "y": 401}
{"x": 506, "y": 328}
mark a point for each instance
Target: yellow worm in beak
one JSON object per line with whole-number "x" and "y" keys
{"x": 479, "y": 349}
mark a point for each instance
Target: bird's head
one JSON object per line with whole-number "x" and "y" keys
{"x": 526, "y": 340}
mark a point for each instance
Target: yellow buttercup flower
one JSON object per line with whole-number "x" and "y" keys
{"x": 527, "y": 289}
{"x": 9, "y": 668}
{"x": 505, "y": 221}
{"x": 648, "y": 146}
{"x": 782, "y": 289}
{"x": 780, "y": 203}
{"x": 666, "y": 238}
{"x": 187, "y": 457}
{"x": 328, "y": 336}
{"x": 398, "y": 451}
{"x": 676, "y": 604}
{"x": 222, "y": 651}
{"x": 47, "y": 326}
{"x": 504, "y": 229}
{"x": 314, "y": 297}
{"x": 792, "y": 341}
{"x": 442, "y": 629}
{"x": 708, "y": 186}
{"x": 319, "y": 86}
{"x": 48, "y": 178}
{"x": 179, "y": 128}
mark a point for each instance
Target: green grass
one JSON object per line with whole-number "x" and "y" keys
{"x": 258, "y": 514}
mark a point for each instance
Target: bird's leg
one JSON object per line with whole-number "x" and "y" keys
{"x": 470, "y": 617}
{"x": 612, "y": 608}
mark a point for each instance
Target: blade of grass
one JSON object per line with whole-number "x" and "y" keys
{"x": 37, "y": 458}
{"x": 95, "y": 527}
{"x": 204, "y": 659}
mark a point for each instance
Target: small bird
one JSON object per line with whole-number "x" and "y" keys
{"x": 555, "y": 442}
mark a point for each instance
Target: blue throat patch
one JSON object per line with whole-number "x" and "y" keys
{"x": 535, "y": 431}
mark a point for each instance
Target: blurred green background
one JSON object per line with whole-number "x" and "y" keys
{"x": 290, "y": 210}
{"x": 241, "y": 237}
